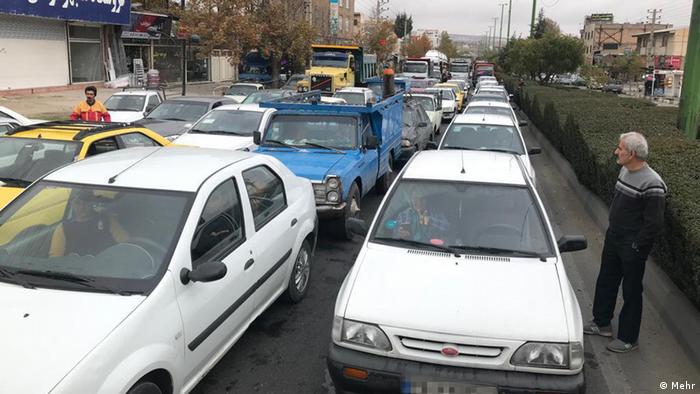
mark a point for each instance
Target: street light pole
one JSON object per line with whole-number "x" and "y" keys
{"x": 532, "y": 19}
{"x": 500, "y": 31}
{"x": 495, "y": 19}
{"x": 510, "y": 8}
{"x": 184, "y": 57}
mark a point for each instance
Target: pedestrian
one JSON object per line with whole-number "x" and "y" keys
{"x": 635, "y": 218}
{"x": 91, "y": 109}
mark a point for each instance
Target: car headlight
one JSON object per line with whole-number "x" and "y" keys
{"x": 333, "y": 196}
{"x": 333, "y": 183}
{"x": 359, "y": 333}
{"x": 549, "y": 355}
{"x": 328, "y": 192}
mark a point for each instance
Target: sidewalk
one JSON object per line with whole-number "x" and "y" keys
{"x": 59, "y": 105}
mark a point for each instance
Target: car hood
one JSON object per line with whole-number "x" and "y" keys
{"x": 125, "y": 116}
{"x": 8, "y": 194}
{"x": 472, "y": 296}
{"x": 47, "y": 332}
{"x": 310, "y": 164}
{"x": 165, "y": 127}
{"x": 216, "y": 141}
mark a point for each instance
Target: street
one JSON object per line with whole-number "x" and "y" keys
{"x": 284, "y": 350}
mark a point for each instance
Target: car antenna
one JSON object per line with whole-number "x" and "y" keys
{"x": 463, "y": 170}
{"x": 114, "y": 178}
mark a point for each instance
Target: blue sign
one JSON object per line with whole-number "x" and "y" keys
{"x": 115, "y": 12}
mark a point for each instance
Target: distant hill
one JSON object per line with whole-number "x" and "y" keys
{"x": 466, "y": 38}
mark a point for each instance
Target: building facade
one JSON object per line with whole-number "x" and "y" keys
{"x": 433, "y": 34}
{"x": 604, "y": 38}
{"x": 333, "y": 20}
{"x": 668, "y": 49}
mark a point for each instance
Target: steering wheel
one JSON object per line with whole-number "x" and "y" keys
{"x": 141, "y": 241}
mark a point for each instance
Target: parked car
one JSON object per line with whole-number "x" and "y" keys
{"x": 16, "y": 119}
{"x": 449, "y": 102}
{"x": 173, "y": 273}
{"x": 29, "y": 152}
{"x": 239, "y": 91}
{"x": 416, "y": 132}
{"x": 460, "y": 282}
{"x": 228, "y": 127}
{"x": 7, "y": 124}
{"x": 176, "y": 115}
{"x": 268, "y": 94}
{"x": 432, "y": 104}
{"x": 613, "y": 87}
{"x": 488, "y": 132}
{"x": 132, "y": 105}
{"x": 356, "y": 96}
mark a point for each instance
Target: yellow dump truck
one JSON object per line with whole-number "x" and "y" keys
{"x": 337, "y": 66}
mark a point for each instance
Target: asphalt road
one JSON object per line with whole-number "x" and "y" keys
{"x": 284, "y": 350}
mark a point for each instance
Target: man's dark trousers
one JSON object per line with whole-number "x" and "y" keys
{"x": 620, "y": 263}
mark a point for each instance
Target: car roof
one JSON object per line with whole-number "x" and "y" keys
{"x": 257, "y": 85}
{"x": 150, "y": 168}
{"x": 135, "y": 93}
{"x": 483, "y": 118}
{"x": 479, "y": 166}
{"x": 353, "y": 90}
{"x": 242, "y": 107}
{"x": 500, "y": 104}
{"x": 68, "y": 130}
{"x": 201, "y": 99}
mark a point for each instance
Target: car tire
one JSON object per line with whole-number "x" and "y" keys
{"x": 299, "y": 279}
{"x": 384, "y": 183}
{"x": 145, "y": 388}
{"x": 339, "y": 227}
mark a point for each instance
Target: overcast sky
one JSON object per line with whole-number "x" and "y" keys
{"x": 475, "y": 16}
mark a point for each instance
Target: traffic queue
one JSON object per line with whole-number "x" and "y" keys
{"x": 137, "y": 252}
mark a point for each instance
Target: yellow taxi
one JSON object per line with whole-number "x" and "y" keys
{"x": 461, "y": 96}
{"x": 29, "y": 152}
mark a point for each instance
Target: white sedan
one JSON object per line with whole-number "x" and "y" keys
{"x": 13, "y": 119}
{"x": 118, "y": 276}
{"x": 465, "y": 294}
{"x": 132, "y": 105}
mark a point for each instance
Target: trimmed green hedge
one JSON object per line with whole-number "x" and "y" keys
{"x": 585, "y": 126}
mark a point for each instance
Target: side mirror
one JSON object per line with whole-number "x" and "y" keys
{"x": 534, "y": 151}
{"x": 205, "y": 272}
{"x": 522, "y": 123}
{"x": 371, "y": 142}
{"x": 431, "y": 145}
{"x": 571, "y": 243}
{"x": 423, "y": 124}
{"x": 357, "y": 226}
{"x": 257, "y": 137}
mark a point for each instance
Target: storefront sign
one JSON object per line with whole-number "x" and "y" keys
{"x": 334, "y": 17}
{"x": 668, "y": 62}
{"x": 148, "y": 26}
{"x": 601, "y": 18}
{"x": 101, "y": 11}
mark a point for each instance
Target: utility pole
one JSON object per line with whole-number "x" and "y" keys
{"x": 651, "y": 46}
{"x": 510, "y": 7}
{"x": 500, "y": 31}
{"x": 532, "y": 19}
{"x": 381, "y": 7}
{"x": 689, "y": 114}
{"x": 488, "y": 39}
{"x": 495, "y": 19}
{"x": 184, "y": 56}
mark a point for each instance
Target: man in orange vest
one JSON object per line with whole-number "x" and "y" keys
{"x": 91, "y": 109}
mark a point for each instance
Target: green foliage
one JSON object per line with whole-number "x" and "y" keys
{"x": 446, "y": 45}
{"x": 419, "y": 46}
{"x": 403, "y": 25}
{"x": 585, "y": 126}
{"x": 542, "y": 58}
{"x": 594, "y": 76}
{"x": 545, "y": 26}
{"x": 626, "y": 68}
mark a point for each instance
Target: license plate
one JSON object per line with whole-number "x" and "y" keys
{"x": 415, "y": 386}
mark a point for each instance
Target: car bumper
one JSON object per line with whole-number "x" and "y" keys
{"x": 389, "y": 375}
{"x": 326, "y": 212}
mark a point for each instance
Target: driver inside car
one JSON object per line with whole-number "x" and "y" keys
{"x": 86, "y": 232}
{"x": 419, "y": 223}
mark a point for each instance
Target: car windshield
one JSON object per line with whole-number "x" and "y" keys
{"x": 186, "y": 111}
{"x": 338, "y": 132}
{"x": 352, "y": 98}
{"x": 459, "y": 68}
{"x": 483, "y": 137}
{"x": 90, "y": 238}
{"x": 123, "y": 102}
{"x": 469, "y": 217}
{"x": 257, "y": 97}
{"x": 422, "y": 83}
{"x": 447, "y": 94}
{"x": 488, "y": 97}
{"x": 291, "y": 83}
{"x": 241, "y": 90}
{"x": 427, "y": 102}
{"x": 24, "y": 160}
{"x": 415, "y": 67}
{"x": 488, "y": 110}
{"x": 232, "y": 122}
{"x": 330, "y": 59}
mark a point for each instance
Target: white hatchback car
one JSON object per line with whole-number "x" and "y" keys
{"x": 132, "y": 105}
{"x": 495, "y": 108}
{"x": 227, "y": 127}
{"x": 449, "y": 102}
{"x": 492, "y": 132}
{"x": 466, "y": 294}
{"x": 136, "y": 271}
{"x": 356, "y": 96}
{"x": 432, "y": 107}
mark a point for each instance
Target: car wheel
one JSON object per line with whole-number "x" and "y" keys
{"x": 301, "y": 274}
{"x": 145, "y": 388}
{"x": 384, "y": 183}
{"x": 352, "y": 210}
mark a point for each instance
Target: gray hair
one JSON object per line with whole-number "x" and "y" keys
{"x": 636, "y": 143}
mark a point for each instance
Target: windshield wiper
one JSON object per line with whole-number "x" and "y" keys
{"x": 282, "y": 144}
{"x": 73, "y": 278}
{"x": 16, "y": 181}
{"x": 175, "y": 119}
{"x": 315, "y": 145}
{"x": 501, "y": 150}
{"x": 10, "y": 276}
{"x": 447, "y": 249}
{"x": 494, "y": 250}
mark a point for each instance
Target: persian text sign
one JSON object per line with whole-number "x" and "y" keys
{"x": 115, "y": 12}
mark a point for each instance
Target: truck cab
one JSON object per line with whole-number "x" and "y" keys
{"x": 344, "y": 150}
{"x": 334, "y": 67}
{"x": 419, "y": 68}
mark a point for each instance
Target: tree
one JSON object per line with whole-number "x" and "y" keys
{"x": 446, "y": 45}
{"x": 545, "y": 25}
{"x": 379, "y": 38}
{"x": 403, "y": 25}
{"x": 418, "y": 46}
{"x": 543, "y": 58}
{"x": 593, "y": 75}
{"x": 626, "y": 68}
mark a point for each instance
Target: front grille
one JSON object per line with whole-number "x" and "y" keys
{"x": 465, "y": 350}
{"x": 487, "y": 258}
{"x": 322, "y": 83}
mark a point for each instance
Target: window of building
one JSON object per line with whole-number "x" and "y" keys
{"x": 85, "y": 48}
{"x": 266, "y": 194}
{"x": 610, "y": 45}
{"x": 664, "y": 41}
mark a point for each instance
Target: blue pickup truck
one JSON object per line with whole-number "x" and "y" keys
{"x": 345, "y": 150}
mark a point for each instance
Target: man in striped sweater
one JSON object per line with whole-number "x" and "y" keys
{"x": 91, "y": 109}
{"x": 636, "y": 217}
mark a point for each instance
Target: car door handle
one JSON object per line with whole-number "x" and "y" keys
{"x": 248, "y": 264}
{"x": 294, "y": 222}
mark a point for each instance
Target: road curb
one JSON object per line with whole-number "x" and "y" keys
{"x": 679, "y": 314}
